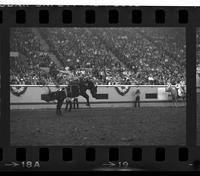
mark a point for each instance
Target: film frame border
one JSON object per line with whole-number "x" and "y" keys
{"x": 80, "y": 16}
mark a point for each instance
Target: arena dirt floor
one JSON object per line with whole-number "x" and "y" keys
{"x": 99, "y": 126}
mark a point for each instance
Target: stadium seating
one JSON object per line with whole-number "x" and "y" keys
{"x": 198, "y": 47}
{"x": 107, "y": 55}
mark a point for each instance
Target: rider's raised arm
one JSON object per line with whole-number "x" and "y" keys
{"x": 61, "y": 71}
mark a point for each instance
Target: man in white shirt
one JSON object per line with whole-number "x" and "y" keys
{"x": 151, "y": 79}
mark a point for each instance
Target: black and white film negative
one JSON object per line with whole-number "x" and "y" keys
{"x": 93, "y": 88}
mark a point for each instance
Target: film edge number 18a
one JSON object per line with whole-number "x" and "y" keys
{"x": 99, "y": 88}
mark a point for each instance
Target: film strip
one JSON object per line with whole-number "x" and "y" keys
{"x": 117, "y": 54}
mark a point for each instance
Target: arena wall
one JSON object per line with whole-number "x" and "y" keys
{"x": 150, "y": 96}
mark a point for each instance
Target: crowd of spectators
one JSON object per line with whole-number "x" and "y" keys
{"x": 25, "y": 67}
{"x": 150, "y": 53}
{"x": 106, "y": 55}
{"x": 198, "y": 47}
{"x": 198, "y": 58}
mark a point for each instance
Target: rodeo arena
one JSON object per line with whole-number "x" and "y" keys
{"x": 98, "y": 86}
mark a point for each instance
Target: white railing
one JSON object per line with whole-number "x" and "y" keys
{"x": 24, "y": 85}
